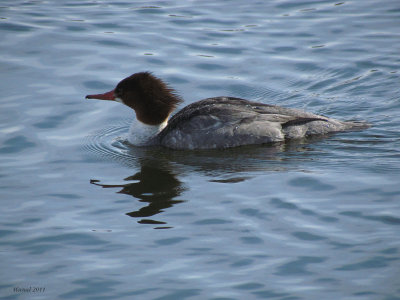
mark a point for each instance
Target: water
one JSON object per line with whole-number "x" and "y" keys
{"x": 85, "y": 216}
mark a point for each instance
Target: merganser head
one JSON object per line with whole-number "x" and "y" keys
{"x": 152, "y": 100}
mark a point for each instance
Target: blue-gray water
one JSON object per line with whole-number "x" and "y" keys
{"x": 83, "y": 216}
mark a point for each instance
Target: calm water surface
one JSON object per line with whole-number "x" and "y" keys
{"x": 85, "y": 216}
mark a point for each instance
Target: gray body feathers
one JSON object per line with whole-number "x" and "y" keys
{"x": 224, "y": 122}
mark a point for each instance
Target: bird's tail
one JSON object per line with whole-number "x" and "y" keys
{"x": 356, "y": 125}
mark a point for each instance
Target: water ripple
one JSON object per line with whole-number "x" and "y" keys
{"x": 110, "y": 143}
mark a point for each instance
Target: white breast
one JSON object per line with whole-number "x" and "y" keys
{"x": 141, "y": 134}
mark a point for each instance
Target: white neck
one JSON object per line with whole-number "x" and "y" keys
{"x": 141, "y": 134}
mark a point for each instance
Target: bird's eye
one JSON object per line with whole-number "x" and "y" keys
{"x": 118, "y": 91}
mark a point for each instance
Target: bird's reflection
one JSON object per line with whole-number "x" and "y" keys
{"x": 157, "y": 183}
{"x": 153, "y": 184}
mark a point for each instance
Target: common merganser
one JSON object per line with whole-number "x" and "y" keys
{"x": 219, "y": 122}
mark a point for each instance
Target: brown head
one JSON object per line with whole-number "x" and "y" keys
{"x": 152, "y": 100}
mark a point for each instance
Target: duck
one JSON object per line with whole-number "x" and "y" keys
{"x": 212, "y": 123}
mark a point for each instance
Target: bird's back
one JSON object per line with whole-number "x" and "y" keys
{"x": 223, "y": 122}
